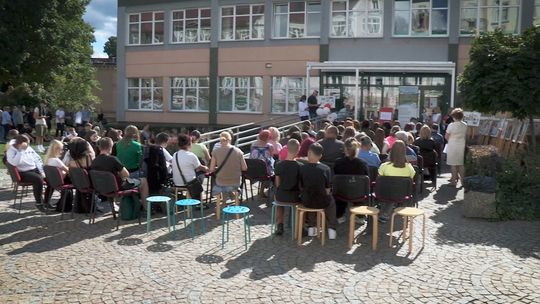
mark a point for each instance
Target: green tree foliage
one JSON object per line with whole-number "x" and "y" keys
{"x": 502, "y": 75}
{"x": 110, "y": 47}
{"x": 47, "y": 44}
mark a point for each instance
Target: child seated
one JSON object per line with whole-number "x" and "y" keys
{"x": 315, "y": 180}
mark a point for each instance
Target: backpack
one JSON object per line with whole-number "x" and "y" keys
{"x": 263, "y": 153}
{"x": 130, "y": 208}
{"x": 155, "y": 167}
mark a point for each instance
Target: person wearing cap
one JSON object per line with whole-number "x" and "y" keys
{"x": 365, "y": 153}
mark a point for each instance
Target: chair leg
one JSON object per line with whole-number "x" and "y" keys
{"x": 293, "y": 222}
{"x": 92, "y": 208}
{"x": 375, "y": 236}
{"x": 272, "y": 220}
{"x": 299, "y": 230}
{"x": 411, "y": 233}
{"x": 323, "y": 228}
{"x": 218, "y": 206}
{"x": 202, "y": 218}
{"x": 404, "y": 231}
{"x": 351, "y": 229}
{"x": 222, "y": 232}
{"x": 72, "y": 205}
{"x": 149, "y": 215}
{"x": 318, "y": 225}
{"x": 392, "y": 219}
{"x": 423, "y": 230}
{"x": 245, "y": 231}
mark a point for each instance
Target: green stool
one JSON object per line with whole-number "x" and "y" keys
{"x": 293, "y": 217}
{"x": 235, "y": 211}
{"x": 187, "y": 204}
{"x": 157, "y": 199}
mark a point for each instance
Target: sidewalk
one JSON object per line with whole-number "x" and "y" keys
{"x": 45, "y": 260}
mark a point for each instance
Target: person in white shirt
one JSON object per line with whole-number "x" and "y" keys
{"x": 78, "y": 119}
{"x": 60, "y": 122}
{"x": 40, "y": 113}
{"x": 30, "y": 166}
{"x": 187, "y": 162}
{"x": 6, "y": 122}
{"x": 303, "y": 108}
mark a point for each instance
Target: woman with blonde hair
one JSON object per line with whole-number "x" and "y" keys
{"x": 52, "y": 158}
{"x": 129, "y": 151}
{"x": 275, "y": 138}
{"x": 230, "y": 161}
{"x": 455, "y": 149}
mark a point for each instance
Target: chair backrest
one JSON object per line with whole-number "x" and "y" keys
{"x": 54, "y": 176}
{"x": 420, "y": 161}
{"x": 429, "y": 158}
{"x": 13, "y": 173}
{"x": 104, "y": 182}
{"x": 393, "y": 188}
{"x": 256, "y": 169}
{"x": 351, "y": 188}
{"x": 80, "y": 178}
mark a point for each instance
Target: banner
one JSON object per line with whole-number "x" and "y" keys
{"x": 408, "y": 104}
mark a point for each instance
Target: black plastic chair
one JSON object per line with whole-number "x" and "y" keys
{"x": 419, "y": 177}
{"x": 105, "y": 183}
{"x": 55, "y": 180}
{"x": 352, "y": 188}
{"x": 17, "y": 184}
{"x": 82, "y": 183}
{"x": 393, "y": 189}
{"x": 256, "y": 172}
{"x": 431, "y": 163}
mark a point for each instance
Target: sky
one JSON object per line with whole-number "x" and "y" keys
{"x": 101, "y": 14}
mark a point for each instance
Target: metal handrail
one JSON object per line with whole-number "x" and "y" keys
{"x": 225, "y": 129}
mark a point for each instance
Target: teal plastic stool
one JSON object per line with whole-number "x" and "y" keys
{"x": 293, "y": 217}
{"x": 157, "y": 199}
{"x": 231, "y": 211}
{"x": 187, "y": 204}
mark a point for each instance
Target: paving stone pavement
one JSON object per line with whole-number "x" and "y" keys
{"x": 45, "y": 260}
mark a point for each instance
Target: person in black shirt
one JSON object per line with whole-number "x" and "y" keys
{"x": 315, "y": 190}
{"x": 106, "y": 162}
{"x": 287, "y": 176}
{"x": 313, "y": 104}
{"x": 349, "y": 165}
{"x": 333, "y": 148}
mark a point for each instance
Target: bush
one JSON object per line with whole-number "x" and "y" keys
{"x": 482, "y": 161}
{"x": 518, "y": 188}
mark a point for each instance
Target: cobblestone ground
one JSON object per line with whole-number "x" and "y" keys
{"x": 46, "y": 260}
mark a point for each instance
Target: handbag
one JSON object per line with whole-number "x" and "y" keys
{"x": 194, "y": 186}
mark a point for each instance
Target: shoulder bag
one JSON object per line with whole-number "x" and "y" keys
{"x": 194, "y": 186}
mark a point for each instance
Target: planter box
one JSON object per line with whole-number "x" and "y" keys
{"x": 480, "y": 205}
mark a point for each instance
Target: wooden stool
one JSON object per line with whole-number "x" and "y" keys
{"x": 220, "y": 202}
{"x": 179, "y": 190}
{"x": 321, "y": 222}
{"x": 369, "y": 211}
{"x": 408, "y": 214}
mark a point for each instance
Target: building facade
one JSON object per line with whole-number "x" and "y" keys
{"x": 226, "y": 62}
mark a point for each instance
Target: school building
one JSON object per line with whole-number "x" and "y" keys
{"x": 226, "y": 62}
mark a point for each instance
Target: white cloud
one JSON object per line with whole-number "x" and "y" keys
{"x": 101, "y": 14}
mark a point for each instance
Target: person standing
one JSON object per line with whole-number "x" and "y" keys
{"x": 40, "y": 114}
{"x": 60, "y": 122}
{"x": 455, "y": 150}
{"x": 303, "y": 108}
{"x": 86, "y": 116}
{"x": 6, "y": 123}
{"x": 18, "y": 119}
{"x": 313, "y": 104}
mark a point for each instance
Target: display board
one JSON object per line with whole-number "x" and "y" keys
{"x": 409, "y": 97}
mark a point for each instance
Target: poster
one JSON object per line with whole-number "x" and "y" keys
{"x": 472, "y": 118}
{"x": 502, "y": 128}
{"x": 484, "y": 127}
{"x": 523, "y": 133}
{"x": 408, "y": 104}
{"x": 509, "y": 130}
{"x": 517, "y": 130}
{"x": 327, "y": 100}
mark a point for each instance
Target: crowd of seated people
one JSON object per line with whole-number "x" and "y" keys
{"x": 302, "y": 161}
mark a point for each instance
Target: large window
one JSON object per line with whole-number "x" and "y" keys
{"x": 357, "y": 18}
{"x": 420, "y": 18}
{"x": 241, "y": 94}
{"x": 298, "y": 19}
{"x": 242, "y": 22}
{"x": 191, "y": 25}
{"x": 145, "y": 94}
{"x": 189, "y": 93}
{"x": 146, "y": 28}
{"x": 478, "y": 16}
{"x": 286, "y": 92}
{"x": 536, "y": 20}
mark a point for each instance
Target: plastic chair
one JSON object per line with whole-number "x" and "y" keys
{"x": 238, "y": 211}
{"x": 157, "y": 200}
{"x": 106, "y": 184}
{"x": 55, "y": 180}
{"x": 321, "y": 222}
{"x": 393, "y": 189}
{"x": 408, "y": 214}
{"x": 430, "y": 163}
{"x": 256, "y": 172}
{"x": 187, "y": 204}
{"x": 81, "y": 181}
{"x": 351, "y": 188}
{"x": 292, "y": 206}
{"x": 17, "y": 184}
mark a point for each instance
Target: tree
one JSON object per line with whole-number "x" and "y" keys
{"x": 47, "y": 44}
{"x": 110, "y": 47}
{"x": 502, "y": 75}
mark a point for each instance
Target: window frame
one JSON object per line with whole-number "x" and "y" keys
{"x": 431, "y": 9}
{"x": 287, "y": 90}
{"x": 348, "y": 11}
{"x": 536, "y": 17}
{"x": 140, "y": 22}
{"x": 140, "y": 88}
{"x": 288, "y": 14}
{"x": 499, "y": 7}
{"x": 184, "y": 89}
{"x": 249, "y": 88}
{"x": 199, "y": 19}
{"x": 251, "y": 15}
